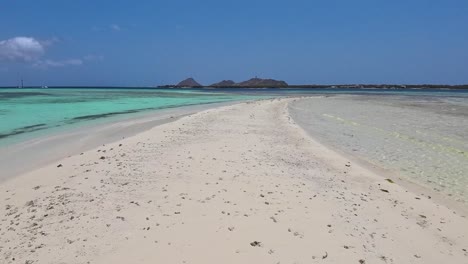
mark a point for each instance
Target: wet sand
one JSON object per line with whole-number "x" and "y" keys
{"x": 236, "y": 184}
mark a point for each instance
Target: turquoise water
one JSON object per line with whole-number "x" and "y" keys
{"x": 28, "y": 113}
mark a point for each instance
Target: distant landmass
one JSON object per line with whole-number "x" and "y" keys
{"x": 257, "y": 82}
{"x": 271, "y": 83}
{"x": 252, "y": 83}
{"x": 189, "y": 83}
{"x": 293, "y": 86}
{"x": 224, "y": 83}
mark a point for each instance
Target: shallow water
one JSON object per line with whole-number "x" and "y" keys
{"x": 28, "y": 113}
{"x": 424, "y": 139}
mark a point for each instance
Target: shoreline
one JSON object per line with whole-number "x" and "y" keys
{"x": 73, "y": 141}
{"x": 236, "y": 184}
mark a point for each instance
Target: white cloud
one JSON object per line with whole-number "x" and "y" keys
{"x": 115, "y": 27}
{"x": 31, "y": 51}
{"x": 44, "y": 64}
{"x": 23, "y": 49}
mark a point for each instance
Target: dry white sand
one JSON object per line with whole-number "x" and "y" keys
{"x": 237, "y": 184}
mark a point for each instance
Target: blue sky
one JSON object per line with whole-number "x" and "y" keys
{"x": 86, "y": 42}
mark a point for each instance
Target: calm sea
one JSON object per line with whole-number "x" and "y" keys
{"x": 28, "y": 113}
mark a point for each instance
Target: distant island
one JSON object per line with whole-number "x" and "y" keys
{"x": 224, "y": 83}
{"x": 188, "y": 83}
{"x": 251, "y": 83}
{"x": 256, "y": 83}
{"x": 272, "y": 83}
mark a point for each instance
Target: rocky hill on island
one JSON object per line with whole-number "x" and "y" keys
{"x": 224, "y": 83}
{"x": 189, "y": 82}
{"x": 252, "y": 83}
{"x": 258, "y": 82}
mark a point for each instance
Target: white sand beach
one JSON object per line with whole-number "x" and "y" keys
{"x": 77, "y": 140}
{"x": 235, "y": 184}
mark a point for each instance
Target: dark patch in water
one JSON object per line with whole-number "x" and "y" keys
{"x": 93, "y": 117}
{"x": 10, "y": 95}
{"x": 33, "y": 126}
{"x": 104, "y": 115}
{"x": 22, "y": 130}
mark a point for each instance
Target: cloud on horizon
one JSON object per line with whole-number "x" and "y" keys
{"x": 21, "y": 49}
{"x": 31, "y": 51}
